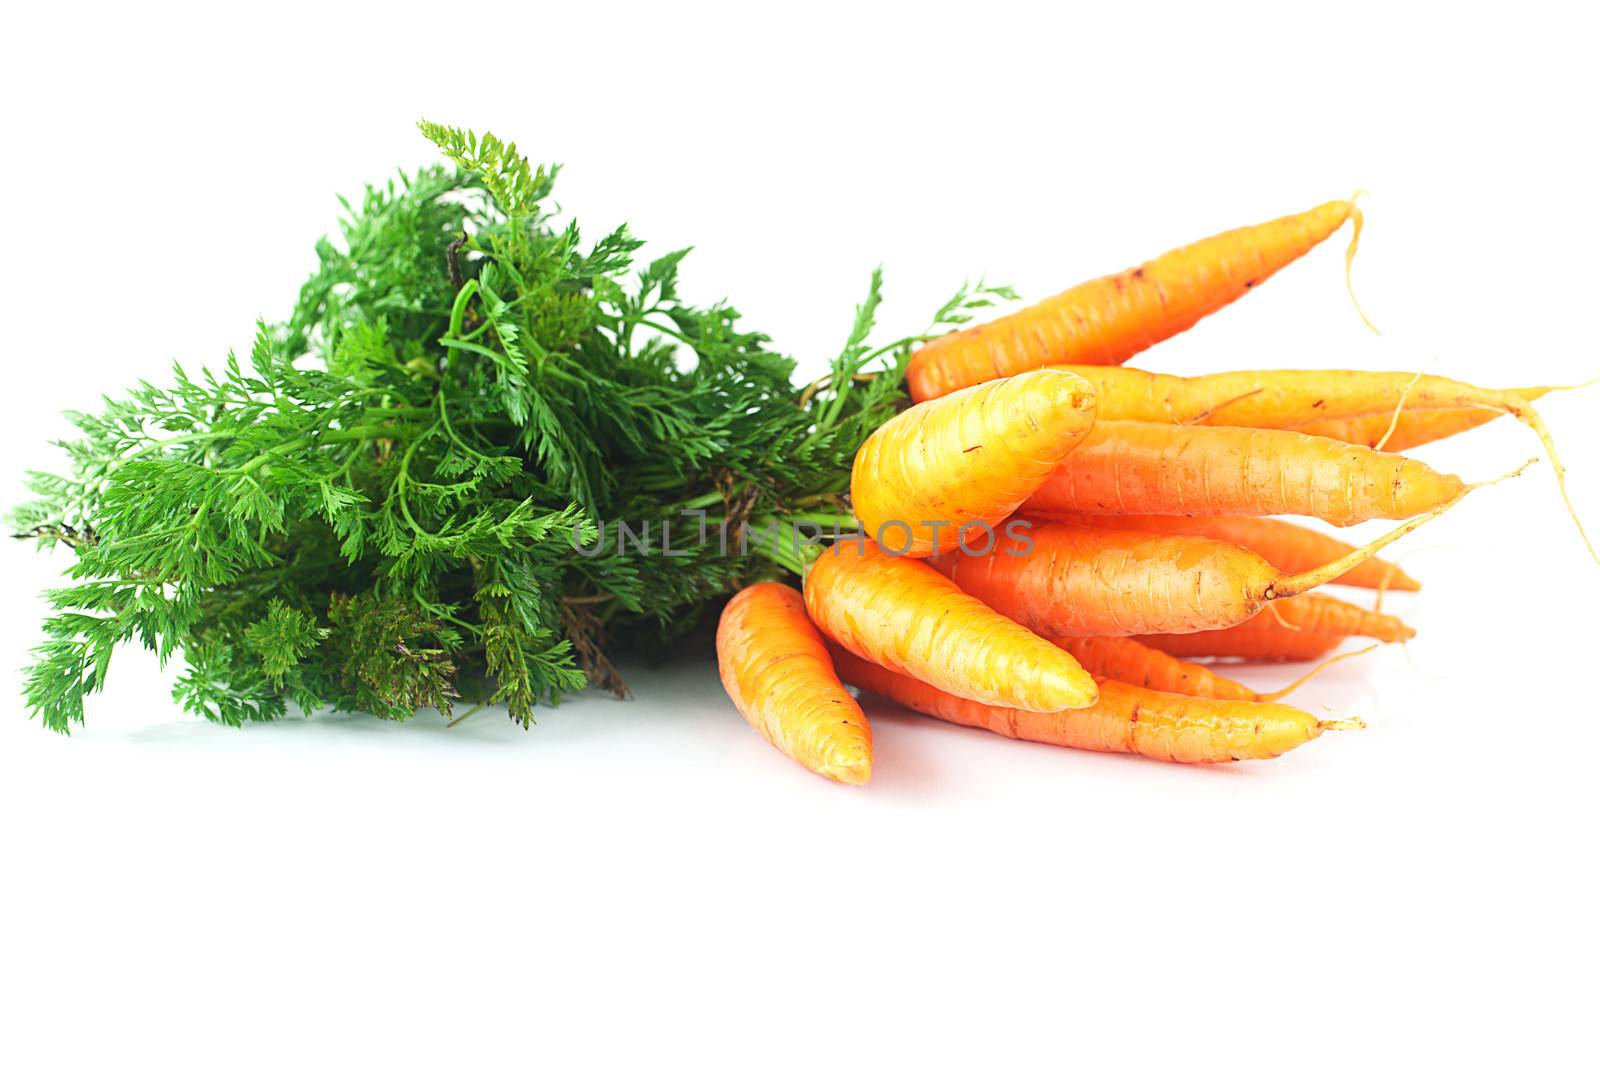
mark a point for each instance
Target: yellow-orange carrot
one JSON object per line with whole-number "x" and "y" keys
{"x": 968, "y": 458}
{"x": 1281, "y": 399}
{"x": 1286, "y": 545}
{"x": 902, "y": 614}
{"x": 1107, "y": 320}
{"x": 1164, "y": 726}
{"x": 1067, "y": 580}
{"x": 1144, "y": 468}
{"x": 779, "y": 675}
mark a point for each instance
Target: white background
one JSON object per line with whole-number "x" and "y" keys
{"x": 650, "y": 877}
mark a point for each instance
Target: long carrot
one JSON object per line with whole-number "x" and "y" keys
{"x": 1143, "y": 468}
{"x": 1411, "y": 429}
{"x": 1279, "y": 399}
{"x": 1126, "y": 718}
{"x": 964, "y": 462}
{"x": 1306, "y": 627}
{"x": 779, "y": 675}
{"x": 902, "y": 614}
{"x": 1286, "y": 545}
{"x": 1249, "y": 642}
{"x": 1125, "y": 659}
{"x": 1107, "y": 320}
{"x": 1067, "y": 580}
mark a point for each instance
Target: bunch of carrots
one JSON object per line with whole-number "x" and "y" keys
{"x": 1049, "y": 540}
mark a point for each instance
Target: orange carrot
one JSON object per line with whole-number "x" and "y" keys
{"x": 967, "y": 458}
{"x": 1067, "y": 580}
{"x": 1143, "y": 468}
{"x": 1286, "y": 545}
{"x": 1107, "y": 320}
{"x": 1412, "y": 429}
{"x": 1126, "y": 660}
{"x": 779, "y": 675}
{"x": 1280, "y": 399}
{"x": 904, "y": 615}
{"x": 1250, "y": 642}
{"x": 1164, "y": 726}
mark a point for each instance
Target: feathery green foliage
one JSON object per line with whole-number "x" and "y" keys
{"x": 402, "y": 495}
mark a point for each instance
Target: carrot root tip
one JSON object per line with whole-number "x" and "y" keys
{"x": 1354, "y": 722}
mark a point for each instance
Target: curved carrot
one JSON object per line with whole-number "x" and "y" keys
{"x": 1107, "y": 320}
{"x": 779, "y": 675}
{"x": 1126, "y": 718}
{"x": 1066, "y": 580}
{"x": 902, "y": 614}
{"x": 1286, "y": 545}
{"x": 1144, "y": 468}
{"x": 967, "y": 458}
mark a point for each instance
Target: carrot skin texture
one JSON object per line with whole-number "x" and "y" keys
{"x": 1143, "y": 468}
{"x": 902, "y": 614}
{"x": 777, "y": 670}
{"x": 1107, "y": 320}
{"x": 1287, "y": 546}
{"x": 1123, "y": 659}
{"x": 970, "y": 457}
{"x": 1162, "y": 726}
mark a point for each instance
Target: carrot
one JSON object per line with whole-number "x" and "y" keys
{"x": 902, "y": 614}
{"x": 1110, "y": 319}
{"x": 1126, "y": 659}
{"x": 1143, "y": 468}
{"x": 1066, "y": 580}
{"x": 1164, "y": 726}
{"x": 779, "y": 675}
{"x": 1285, "y": 545}
{"x": 1280, "y": 399}
{"x": 1411, "y": 430}
{"x": 943, "y": 470}
{"x": 1248, "y": 642}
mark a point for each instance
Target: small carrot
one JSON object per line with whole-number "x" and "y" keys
{"x": 1164, "y": 726}
{"x": 1125, "y": 659}
{"x": 1066, "y": 580}
{"x": 1145, "y": 468}
{"x": 779, "y": 675}
{"x": 904, "y": 615}
{"x": 1286, "y": 545}
{"x": 1249, "y": 642}
{"x": 1411, "y": 429}
{"x": 963, "y": 462}
{"x": 1110, "y": 319}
